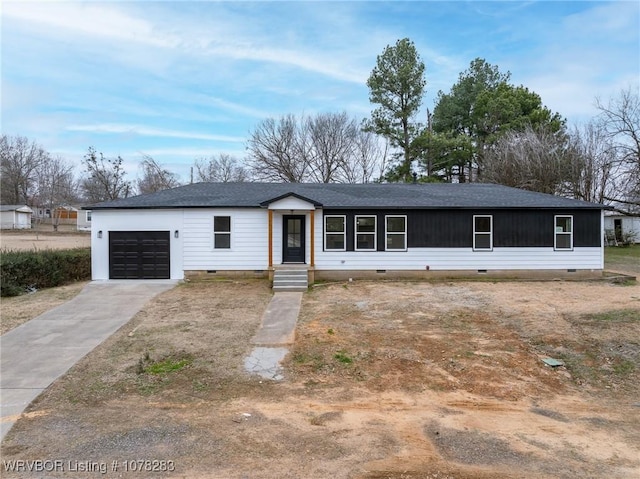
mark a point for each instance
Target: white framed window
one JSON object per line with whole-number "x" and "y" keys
{"x": 222, "y": 232}
{"x": 563, "y": 232}
{"x": 482, "y": 232}
{"x": 395, "y": 232}
{"x": 365, "y": 233}
{"x": 335, "y": 233}
{"x": 88, "y": 216}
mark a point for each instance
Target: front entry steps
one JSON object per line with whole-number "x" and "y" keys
{"x": 290, "y": 280}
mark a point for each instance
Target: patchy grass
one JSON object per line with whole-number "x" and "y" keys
{"x": 620, "y": 252}
{"x": 624, "y": 367}
{"x": 623, "y": 258}
{"x": 343, "y": 357}
{"x": 167, "y": 365}
{"x": 604, "y": 351}
{"x": 616, "y": 315}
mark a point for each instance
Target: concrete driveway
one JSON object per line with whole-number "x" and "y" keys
{"x": 36, "y": 353}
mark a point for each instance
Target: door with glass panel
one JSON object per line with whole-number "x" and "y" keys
{"x": 293, "y": 246}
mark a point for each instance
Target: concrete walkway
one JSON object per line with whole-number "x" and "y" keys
{"x": 36, "y": 353}
{"x": 276, "y": 331}
{"x": 279, "y": 320}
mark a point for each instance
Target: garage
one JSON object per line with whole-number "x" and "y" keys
{"x": 139, "y": 255}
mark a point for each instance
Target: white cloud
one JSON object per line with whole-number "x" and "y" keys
{"x": 114, "y": 24}
{"x": 147, "y": 131}
{"x": 188, "y": 152}
{"x": 89, "y": 19}
{"x": 237, "y": 108}
{"x": 311, "y": 61}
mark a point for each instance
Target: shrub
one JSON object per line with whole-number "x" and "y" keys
{"x": 21, "y": 271}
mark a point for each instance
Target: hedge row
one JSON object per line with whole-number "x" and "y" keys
{"x": 22, "y": 271}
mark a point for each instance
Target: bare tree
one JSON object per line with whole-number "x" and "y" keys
{"x": 532, "y": 159}
{"x": 325, "y": 148}
{"x": 155, "y": 177}
{"x": 368, "y": 160}
{"x": 20, "y": 160}
{"x": 275, "y": 147}
{"x": 593, "y": 170}
{"x": 106, "y": 178}
{"x": 56, "y": 187}
{"x": 621, "y": 122}
{"x": 329, "y": 142}
{"x": 221, "y": 169}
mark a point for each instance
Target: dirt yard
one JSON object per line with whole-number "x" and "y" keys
{"x": 385, "y": 380}
{"x": 67, "y": 237}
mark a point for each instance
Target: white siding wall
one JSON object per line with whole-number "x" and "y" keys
{"x": 461, "y": 259}
{"x": 634, "y": 226}
{"x": 291, "y": 203}
{"x": 249, "y": 240}
{"x": 630, "y": 225}
{"x": 134, "y": 220}
{"x": 82, "y": 222}
{"x": 23, "y": 220}
{"x": 15, "y": 220}
{"x": 455, "y": 258}
{"x": 7, "y": 219}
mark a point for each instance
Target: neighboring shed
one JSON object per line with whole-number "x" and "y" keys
{"x": 345, "y": 231}
{"x": 15, "y": 217}
{"x": 621, "y": 229}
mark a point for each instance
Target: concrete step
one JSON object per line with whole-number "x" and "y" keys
{"x": 290, "y": 280}
{"x": 290, "y": 288}
{"x": 284, "y": 282}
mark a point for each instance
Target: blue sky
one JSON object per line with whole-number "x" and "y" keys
{"x": 185, "y": 80}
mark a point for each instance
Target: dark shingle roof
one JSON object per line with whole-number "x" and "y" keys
{"x": 347, "y": 196}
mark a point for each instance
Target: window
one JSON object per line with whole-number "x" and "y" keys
{"x": 335, "y": 233}
{"x": 88, "y": 216}
{"x": 396, "y": 232}
{"x": 222, "y": 232}
{"x": 563, "y": 233}
{"x": 365, "y": 233}
{"x": 482, "y": 233}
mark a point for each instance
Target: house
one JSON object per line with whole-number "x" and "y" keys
{"x": 621, "y": 229}
{"x": 15, "y": 217}
{"x": 66, "y": 213}
{"x": 83, "y": 220}
{"x": 345, "y": 231}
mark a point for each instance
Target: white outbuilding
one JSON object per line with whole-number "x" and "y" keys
{"x": 15, "y": 217}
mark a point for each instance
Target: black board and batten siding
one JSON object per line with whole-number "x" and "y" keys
{"x": 512, "y": 228}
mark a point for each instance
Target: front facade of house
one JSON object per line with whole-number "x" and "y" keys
{"x": 15, "y": 217}
{"x": 338, "y": 231}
